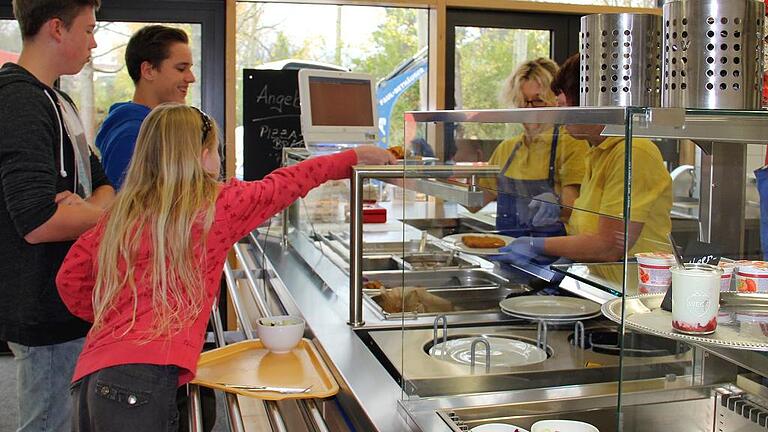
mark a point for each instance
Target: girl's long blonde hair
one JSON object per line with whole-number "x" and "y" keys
{"x": 166, "y": 194}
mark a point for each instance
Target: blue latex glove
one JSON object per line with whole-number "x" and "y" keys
{"x": 547, "y": 208}
{"x": 521, "y": 251}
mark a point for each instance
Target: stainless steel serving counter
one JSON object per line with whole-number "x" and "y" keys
{"x": 310, "y": 283}
{"x": 310, "y": 280}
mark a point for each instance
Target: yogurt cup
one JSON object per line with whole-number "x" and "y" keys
{"x": 752, "y": 277}
{"x": 695, "y": 298}
{"x": 727, "y": 277}
{"x": 653, "y": 275}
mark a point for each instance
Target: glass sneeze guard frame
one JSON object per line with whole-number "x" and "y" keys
{"x": 706, "y": 127}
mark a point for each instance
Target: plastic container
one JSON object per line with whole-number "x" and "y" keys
{"x": 374, "y": 214}
{"x": 695, "y": 298}
{"x": 726, "y": 278}
{"x": 752, "y": 277}
{"x": 653, "y": 275}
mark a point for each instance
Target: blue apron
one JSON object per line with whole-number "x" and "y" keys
{"x": 761, "y": 175}
{"x": 513, "y": 217}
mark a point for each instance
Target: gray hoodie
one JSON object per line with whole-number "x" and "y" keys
{"x": 36, "y": 163}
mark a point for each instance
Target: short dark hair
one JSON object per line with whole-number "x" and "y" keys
{"x": 32, "y": 14}
{"x": 151, "y": 44}
{"x": 567, "y": 80}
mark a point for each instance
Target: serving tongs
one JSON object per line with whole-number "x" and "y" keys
{"x": 260, "y": 388}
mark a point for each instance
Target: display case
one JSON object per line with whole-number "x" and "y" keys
{"x": 562, "y": 322}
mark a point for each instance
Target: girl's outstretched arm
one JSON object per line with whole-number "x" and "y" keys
{"x": 245, "y": 205}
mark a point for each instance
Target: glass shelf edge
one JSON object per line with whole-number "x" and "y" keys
{"x": 564, "y": 269}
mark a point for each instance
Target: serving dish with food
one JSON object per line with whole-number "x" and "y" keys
{"x": 478, "y": 244}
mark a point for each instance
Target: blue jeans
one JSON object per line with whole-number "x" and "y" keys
{"x": 43, "y": 377}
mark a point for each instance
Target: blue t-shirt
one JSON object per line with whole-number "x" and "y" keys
{"x": 117, "y": 138}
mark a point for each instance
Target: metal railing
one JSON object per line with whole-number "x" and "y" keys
{"x": 308, "y": 407}
{"x": 234, "y": 415}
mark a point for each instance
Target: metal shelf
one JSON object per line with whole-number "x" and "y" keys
{"x": 747, "y": 127}
{"x": 603, "y": 115}
{"x": 647, "y": 122}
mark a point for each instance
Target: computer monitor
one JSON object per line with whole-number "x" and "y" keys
{"x": 338, "y": 109}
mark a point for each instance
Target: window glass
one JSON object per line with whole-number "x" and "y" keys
{"x": 366, "y": 39}
{"x": 105, "y": 80}
{"x": 485, "y": 57}
{"x": 10, "y": 40}
{"x": 617, "y": 3}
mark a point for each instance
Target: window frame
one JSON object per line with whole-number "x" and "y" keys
{"x": 210, "y": 14}
{"x": 563, "y": 28}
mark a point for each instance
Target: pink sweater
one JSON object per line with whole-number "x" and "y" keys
{"x": 240, "y": 208}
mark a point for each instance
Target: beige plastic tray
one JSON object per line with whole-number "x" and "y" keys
{"x": 249, "y": 363}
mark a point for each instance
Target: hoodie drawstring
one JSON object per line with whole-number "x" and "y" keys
{"x": 62, "y": 171}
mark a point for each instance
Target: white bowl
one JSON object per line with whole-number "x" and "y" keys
{"x": 497, "y": 427}
{"x": 562, "y": 426}
{"x": 280, "y": 333}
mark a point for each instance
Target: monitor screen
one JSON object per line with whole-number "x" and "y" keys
{"x": 340, "y": 101}
{"x": 338, "y": 109}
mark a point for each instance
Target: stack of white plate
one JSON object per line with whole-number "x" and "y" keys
{"x": 553, "y": 309}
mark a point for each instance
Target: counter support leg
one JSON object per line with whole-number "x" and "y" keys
{"x": 356, "y": 250}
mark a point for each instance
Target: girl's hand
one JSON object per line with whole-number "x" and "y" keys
{"x": 373, "y": 155}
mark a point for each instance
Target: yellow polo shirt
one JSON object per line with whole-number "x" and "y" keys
{"x": 602, "y": 191}
{"x": 531, "y": 161}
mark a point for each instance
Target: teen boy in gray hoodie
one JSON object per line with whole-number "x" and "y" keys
{"x": 51, "y": 190}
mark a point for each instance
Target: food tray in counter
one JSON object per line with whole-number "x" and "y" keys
{"x": 250, "y": 363}
{"x": 429, "y": 292}
{"x": 742, "y": 321}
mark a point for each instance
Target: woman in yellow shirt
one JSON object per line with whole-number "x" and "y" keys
{"x": 596, "y": 227}
{"x": 540, "y": 168}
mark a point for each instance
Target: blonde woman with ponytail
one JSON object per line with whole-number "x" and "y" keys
{"x": 147, "y": 275}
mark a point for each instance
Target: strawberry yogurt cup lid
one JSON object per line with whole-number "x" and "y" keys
{"x": 657, "y": 258}
{"x": 757, "y": 267}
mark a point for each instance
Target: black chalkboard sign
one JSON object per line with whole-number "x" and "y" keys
{"x": 271, "y": 119}
{"x": 700, "y": 252}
